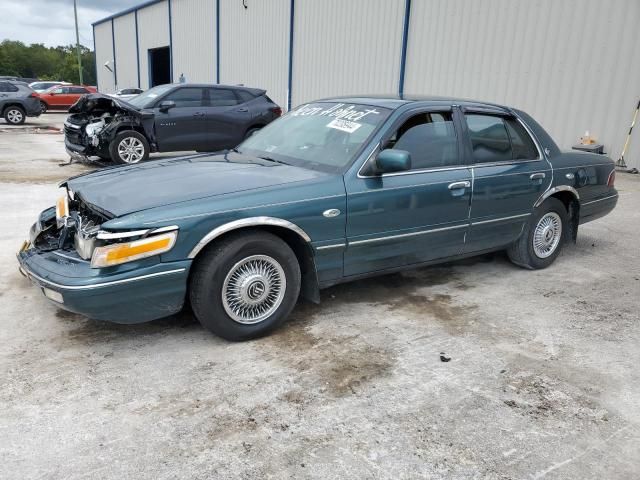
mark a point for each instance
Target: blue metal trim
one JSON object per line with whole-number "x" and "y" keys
{"x": 95, "y": 55}
{"x": 405, "y": 40}
{"x": 170, "y": 45}
{"x": 290, "y": 79}
{"x": 113, "y": 46}
{"x": 137, "y": 47}
{"x": 128, "y": 10}
{"x": 217, "y": 41}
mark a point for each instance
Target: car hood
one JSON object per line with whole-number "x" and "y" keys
{"x": 98, "y": 101}
{"x": 119, "y": 191}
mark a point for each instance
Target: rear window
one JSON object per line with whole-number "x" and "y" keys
{"x": 7, "y": 87}
{"x": 244, "y": 96}
{"x": 498, "y": 139}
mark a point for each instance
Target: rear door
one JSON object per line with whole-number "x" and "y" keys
{"x": 57, "y": 97}
{"x": 510, "y": 173}
{"x": 228, "y": 118}
{"x": 8, "y": 91}
{"x": 416, "y": 216}
{"x": 184, "y": 126}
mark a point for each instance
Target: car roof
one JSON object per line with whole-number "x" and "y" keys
{"x": 396, "y": 101}
{"x": 258, "y": 91}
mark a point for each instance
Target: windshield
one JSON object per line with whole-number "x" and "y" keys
{"x": 148, "y": 98}
{"x": 322, "y": 136}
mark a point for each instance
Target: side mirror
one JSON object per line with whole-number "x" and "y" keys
{"x": 167, "y": 105}
{"x": 390, "y": 160}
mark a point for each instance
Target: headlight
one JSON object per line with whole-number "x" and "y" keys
{"x": 94, "y": 128}
{"x": 62, "y": 210}
{"x": 127, "y": 252}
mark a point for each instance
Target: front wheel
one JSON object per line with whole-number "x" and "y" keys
{"x": 15, "y": 115}
{"x": 129, "y": 147}
{"x": 245, "y": 286}
{"x": 542, "y": 237}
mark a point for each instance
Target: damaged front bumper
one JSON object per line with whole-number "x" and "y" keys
{"x": 129, "y": 293}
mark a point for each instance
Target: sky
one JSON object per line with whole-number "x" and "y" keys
{"x": 51, "y": 21}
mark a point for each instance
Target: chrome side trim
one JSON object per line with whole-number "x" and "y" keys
{"x": 551, "y": 191}
{"x": 328, "y": 247}
{"x": 97, "y": 285}
{"x": 75, "y": 259}
{"x": 247, "y": 222}
{"x": 402, "y": 235}
{"x": 493, "y": 220}
{"x": 600, "y": 199}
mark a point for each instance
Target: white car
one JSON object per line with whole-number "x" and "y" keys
{"x": 127, "y": 93}
{"x": 40, "y": 87}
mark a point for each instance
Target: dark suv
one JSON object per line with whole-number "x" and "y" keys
{"x": 17, "y": 102}
{"x": 166, "y": 118}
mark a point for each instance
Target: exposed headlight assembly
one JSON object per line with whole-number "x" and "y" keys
{"x": 62, "y": 210}
{"x": 116, "y": 254}
{"x": 94, "y": 128}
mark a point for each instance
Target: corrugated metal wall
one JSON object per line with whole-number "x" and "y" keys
{"x": 254, "y": 45}
{"x": 104, "y": 53}
{"x": 125, "y": 39}
{"x": 194, "y": 39}
{"x": 153, "y": 32}
{"x": 572, "y": 64}
{"x": 346, "y": 46}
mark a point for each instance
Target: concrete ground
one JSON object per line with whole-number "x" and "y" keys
{"x": 543, "y": 380}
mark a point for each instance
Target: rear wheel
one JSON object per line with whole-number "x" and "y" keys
{"x": 15, "y": 115}
{"x": 129, "y": 147}
{"x": 245, "y": 286}
{"x": 542, "y": 237}
{"x": 43, "y": 107}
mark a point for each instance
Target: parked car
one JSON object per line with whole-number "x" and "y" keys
{"x": 336, "y": 190}
{"x": 17, "y": 102}
{"x": 127, "y": 93}
{"x": 166, "y": 118}
{"x": 61, "y": 97}
{"x": 45, "y": 85}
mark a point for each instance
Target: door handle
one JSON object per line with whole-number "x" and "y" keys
{"x": 458, "y": 185}
{"x": 242, "y": 109}
{"x": 537, "y": 176}
{"x": 198, "y": 114}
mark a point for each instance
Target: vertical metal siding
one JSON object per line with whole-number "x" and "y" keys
{"x": 346, "y": 46}
{"x": 572, "y": 64}
{"x": 194, "y": 40}
{"x": 153, "y": 32}
{"x": 254, "y": 45}
{"x": 104, "y": 53}
{"x": 126, "y": 60}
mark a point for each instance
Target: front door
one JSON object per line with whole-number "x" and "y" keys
{"x": 510, "y": 174}
{"x": 58, "y": 97}
{"x": 182, "y": 127}
{"x": 415, "y": 216}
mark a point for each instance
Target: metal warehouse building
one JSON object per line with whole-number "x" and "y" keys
{"x": 572, "y": 64}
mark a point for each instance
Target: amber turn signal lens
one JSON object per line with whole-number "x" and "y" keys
{"x": 127, "y": 252}
{"x": 62, "y": 209}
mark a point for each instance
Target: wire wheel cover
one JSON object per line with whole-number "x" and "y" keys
{"x": 131, "y": 150}
{"x": 547, "y": 235}
{"x": 253, "y": 289}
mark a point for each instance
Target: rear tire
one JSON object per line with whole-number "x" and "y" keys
{"x": 15, "y": 115}
{"x": 245, "y": 286}
{"x": 542, "y": 237}
{"x": 43, "y": 107}
{"x": 129, "y": 147}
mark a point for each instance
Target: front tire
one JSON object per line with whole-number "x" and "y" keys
{"x": 129, "y": 147}
{"x": 15, "y": 115}
{"x": 245, "y": 286}
{"x": 542, "y": 237}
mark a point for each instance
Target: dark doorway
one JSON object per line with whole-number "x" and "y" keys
{"x": 159, "y": 66}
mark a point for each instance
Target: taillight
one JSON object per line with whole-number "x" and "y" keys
{"x": 276, "y": 110}
{"x": 33, "y": 95}
{"x": 612, "y": 178}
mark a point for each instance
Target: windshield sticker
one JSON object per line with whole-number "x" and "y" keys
{"x": 352, "y": 112}
{"x": 344, "y": 125}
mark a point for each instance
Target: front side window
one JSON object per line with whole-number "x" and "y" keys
{"x": 187, "y": 97}
{"x": 498, "y": 139}
{"x": 430, "y": 139}
{"x": 321, "y": 136}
